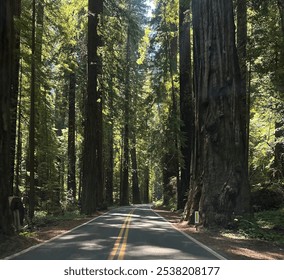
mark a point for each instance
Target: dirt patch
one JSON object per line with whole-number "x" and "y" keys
{"x": 230, "y": 245}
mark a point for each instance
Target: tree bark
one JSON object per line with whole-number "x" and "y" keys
{"x": 15, "y": 91}
{"x": 71, "y": 183}
{"x": 6, "y": 73}
{"x": 32, "y": 116}
{"x": 278, "y": 164}
{"x": 124, "y": 199}
{"x": 92, "y": 179}
{"x": 19, "y": 139}
{"x": 147, "y": 185}
{"x": 136, "y": 199}
{"x": 281, "y": 11}
{"x": 219, "y": 187}
{"x": 110, "y": 164}
{"x": 186, "y": 100}
{"x": 242, "y": 54}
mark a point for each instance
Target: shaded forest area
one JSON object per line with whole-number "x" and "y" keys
{"x": 107, "y": 102}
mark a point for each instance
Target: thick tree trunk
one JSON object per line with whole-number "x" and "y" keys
{"x": 219, "y": 187}
{"x": 6, "y": 70}
{"x": 242, "y": 54}
{"x": 186, "y": 100}
{"x": 92, "y": 180}
{"x": 71, "y": 182}
{"x": 15, "y": 90}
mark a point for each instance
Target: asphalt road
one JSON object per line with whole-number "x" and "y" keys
{"x": 126, "y": 233}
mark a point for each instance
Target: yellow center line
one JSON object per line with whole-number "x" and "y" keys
{"x": 124, "y": 230}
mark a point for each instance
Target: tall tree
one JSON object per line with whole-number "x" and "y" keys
{"x": 124, "y": 197}
{"x": 71, "y": 137}
{"x": 32, "y": 116}
{"x": 92, "y": 175}
{"x": 136, "y": 199}
{"x": 242, "y": 38}
{"x": 6, "y": 73}
{"x": 15, "y": 88}
{"x": 186, "y": 100}
{"x": 219, "y": 187}
{"x": 279, "y": 125}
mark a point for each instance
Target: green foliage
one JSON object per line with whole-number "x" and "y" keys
{"x": 267, "y": 196}
{"x": 154, "y": 94}
{"x": 267, "y": 225}
{"x": 42, "y": 218}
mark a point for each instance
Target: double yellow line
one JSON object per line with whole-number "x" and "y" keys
{"x": 119, "y": 247}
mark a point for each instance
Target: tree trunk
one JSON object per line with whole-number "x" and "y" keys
{"x": 110, "y": 169}
{"x": 71, "y": 183}
{"x": 279, "y": 125}
{"x": 6, "y": 72}
{"x": 136, "y": 199}
{"x": 32, "y": 116}
{"x": 242, "y": 53}
{"x": 147, "y": 185}
{"x": 19, "y": 139}
{"x": 219, "y": 186}
{"x": 186, "y": 100}
{"x": 15, "y": 90}
{"x": 124, "y": 199}
{"x": 171, "y": 157}
{"x": 110, "y": 164}
{"x": 281, "y": 11}
{"x": 91, "y": 180}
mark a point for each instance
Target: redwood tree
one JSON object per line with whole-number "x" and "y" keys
{"x": 92, "y": 150}
{"x": 6, "y": 70}
{"x": 71, "y": 137}
{"x": 219, "y": 187}
{"x": 186, "y": 101}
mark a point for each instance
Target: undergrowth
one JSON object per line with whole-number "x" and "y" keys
{"x": 266, "y": 225}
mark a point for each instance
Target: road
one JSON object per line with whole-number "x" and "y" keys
{"x": 127, "y": 233}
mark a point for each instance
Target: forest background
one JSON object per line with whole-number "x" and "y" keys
{"x": 102, "y": 112}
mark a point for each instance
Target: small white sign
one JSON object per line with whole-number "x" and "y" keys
{"x": 196, "y": 217}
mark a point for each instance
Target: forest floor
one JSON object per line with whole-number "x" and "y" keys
{"x": 231, "y": 245}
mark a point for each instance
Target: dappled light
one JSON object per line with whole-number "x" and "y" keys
{"x": 141, "y": 129}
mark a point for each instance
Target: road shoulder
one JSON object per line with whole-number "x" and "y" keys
{"x": 232, "y": 246}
